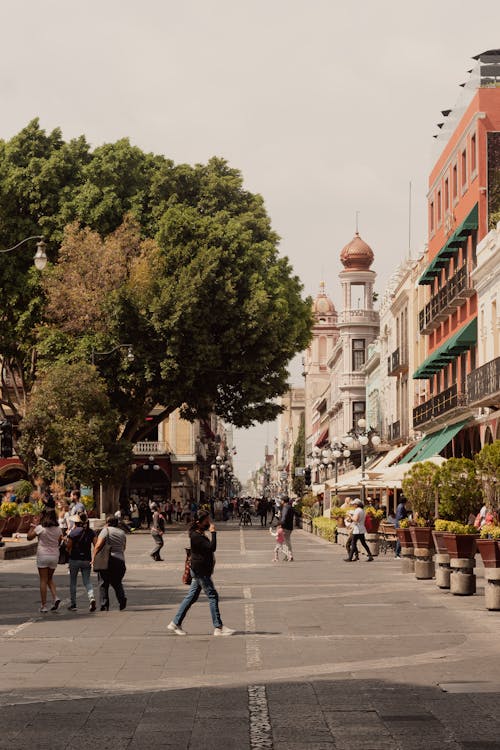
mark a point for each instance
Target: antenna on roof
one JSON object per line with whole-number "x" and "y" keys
{"x": 357, "y": 222}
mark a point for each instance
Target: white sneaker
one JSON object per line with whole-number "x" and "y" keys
{"x": 224, "y": 631}
{"x": 44, "y": 609}
{"x": 175, "y": 629}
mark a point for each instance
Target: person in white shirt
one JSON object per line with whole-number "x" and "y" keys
{"x": 359, "y": 531}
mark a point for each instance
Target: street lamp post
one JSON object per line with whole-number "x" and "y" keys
{"x": 40, "y": 257}
{"x": 339, "y": 450}
{"x": 364, "y": 436}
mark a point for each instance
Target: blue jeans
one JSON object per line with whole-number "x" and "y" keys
{"x": 198, "y": 583}
{"x": 74, "y": 567}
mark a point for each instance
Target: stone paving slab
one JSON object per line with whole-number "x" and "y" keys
{"x": 337, "y": 656}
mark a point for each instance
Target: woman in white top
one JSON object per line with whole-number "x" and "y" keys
{"x": 47, "y": 555}
{"x": 358, "y": 532}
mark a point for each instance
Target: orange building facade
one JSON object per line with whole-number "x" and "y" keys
{"x": 463, "y": 205}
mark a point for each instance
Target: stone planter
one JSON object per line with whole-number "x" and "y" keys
{"x": 489, "y": 549}
{"x": 422, "y": 537}
{"x": 460, "y": 546}
{"x": 439, "y": 542}
{"x": 462, "y": 579}
{"x": 424, "y": 564}
{"x": 373, "y": 544}
{"x": 407, "y": 560}
{"x": 443, "y": 570}
{"x": 492, "y": 588}
{"x": 404, "y": 537}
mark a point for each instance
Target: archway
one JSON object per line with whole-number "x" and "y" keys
{"x": 475, "y": 441}
{"x": 488, "y": 437}
{"x": 150, "y": 484}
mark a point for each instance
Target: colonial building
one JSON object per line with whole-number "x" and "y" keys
{"x": 463, "y": 199}
{"x": 289, "y": 422}
{"x": 358, "y": 327}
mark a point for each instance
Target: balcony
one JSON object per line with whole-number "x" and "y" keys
{"x": 449, "y": 298}
{"x": 483, "y": 384}
{"x": 151, "y": 448}
{"x": 394, "y": 431}
{"x": 397, "y": 362}
{"x": 359, "y": 317}
{"x": 438, "y": 406}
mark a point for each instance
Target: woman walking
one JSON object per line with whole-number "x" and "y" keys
{"x": 113, "y": 576}
{"x": 202, "y": 568}
{"x": 358, "y": 532}
{"x": 47, "y": 555}
{"x": 79, "y": 544}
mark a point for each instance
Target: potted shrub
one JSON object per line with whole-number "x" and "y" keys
{"x": 404, "y": 534}
{"x": 489, "y": 545}
{"x": 459, "y": 489}
{"x": 373, "y": 519}
{"x": 325, "y": 528}
{"x": 440, "y": 528}
{"x": 9, "y": 512}
{"x": 460, "y": 540}
{"x": 339, "y": 515}
{"x": 420, "y": 489}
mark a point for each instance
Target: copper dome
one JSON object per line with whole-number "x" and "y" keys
{"x": 357, "y": 255}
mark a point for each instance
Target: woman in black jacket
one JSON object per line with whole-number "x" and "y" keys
{"x": 202, "y": 567}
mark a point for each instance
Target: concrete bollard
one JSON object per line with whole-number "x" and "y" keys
{"x": 492, "y": 588}
{"x": 443, "y": 571}
{"x": 373, "y": 543}
{"x": 424, "y": 565}
{"x": 407, "y": 560}
{"x": 462, "y": 579}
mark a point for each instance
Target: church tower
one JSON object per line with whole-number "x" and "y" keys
{"x": 325, "y": 335}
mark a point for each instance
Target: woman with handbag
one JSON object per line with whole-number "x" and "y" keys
{"x": 202, "y": 566}
{"x": 47, "y": 555}
{"x": 109, "y": 562}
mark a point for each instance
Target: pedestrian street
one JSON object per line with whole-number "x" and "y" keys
{"x": 326, "y": 655}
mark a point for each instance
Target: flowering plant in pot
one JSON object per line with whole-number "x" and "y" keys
{"x": 404, "y": 534}
{"x": 489, "y": 545}
{"x": 421, "y": 533}
{"x": 460, "y": 540}
{"x": 373, "y": 519}
{"x": 339, "y": 515}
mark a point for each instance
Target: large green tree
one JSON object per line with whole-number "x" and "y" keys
{"x": 180, "y": 261}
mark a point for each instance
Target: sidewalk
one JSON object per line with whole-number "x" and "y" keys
{"x": 327, "y": 655}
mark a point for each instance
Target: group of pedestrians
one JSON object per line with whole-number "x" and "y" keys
{"x": 70, "y": 539}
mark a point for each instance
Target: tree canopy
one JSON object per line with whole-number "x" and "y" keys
{"x": 180, "y": 261}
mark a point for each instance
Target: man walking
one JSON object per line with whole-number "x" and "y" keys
{"x": 358, "y": 532}
{"x": 401, "y": 513}
{"x": 157, "y": 532}
{"x": 287, "y": 518}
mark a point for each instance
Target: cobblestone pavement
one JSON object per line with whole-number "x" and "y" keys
{"x": 327, "y": 655}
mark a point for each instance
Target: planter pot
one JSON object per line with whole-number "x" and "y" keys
{"x": 422, "y": 537}
{"x": 460, "y": 546}
{"x": 372, "y": 524}
{"x": 11, "y": 526}
{"x": 24, "y": 526}
{"x": 404, "y": 536}
{"x": 439, "y": 542}
{"x": 489, "y": 550}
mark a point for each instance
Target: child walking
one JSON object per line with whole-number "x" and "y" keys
{"x": 280, "y": 543}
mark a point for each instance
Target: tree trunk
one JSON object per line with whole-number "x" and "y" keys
{"x": 109, "y": 498}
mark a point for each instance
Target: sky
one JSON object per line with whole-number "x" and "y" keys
{"x": 327, "y": 107}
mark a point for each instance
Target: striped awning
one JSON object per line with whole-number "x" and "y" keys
{"x": 454, "y": 242}
{"x": 461, "y": 341}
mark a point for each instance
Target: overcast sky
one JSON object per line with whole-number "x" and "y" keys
{"x": 327, "y": 107}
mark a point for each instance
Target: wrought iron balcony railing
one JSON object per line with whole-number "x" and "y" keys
{"x": 452, "y": 295}
{"x": 397, "y": 362}
{"x": 483, "y": 384}
{"x": 440, "y": 404}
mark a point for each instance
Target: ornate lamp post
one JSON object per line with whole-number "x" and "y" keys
{"x": 364, "y": 437}
{"x": 40, "y": 257}
{"x": 339, "y": 450}
{"x": 130, "y": 352}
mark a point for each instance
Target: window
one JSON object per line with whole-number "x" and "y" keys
{"x": 358, "y": 354}
{"x": 454, "y": 183}
{"x": 464, "y": 168}
{"x": 446, "y": 195}
{"x": 439, "y": 208}
{"x": 358, "y": 412}
{"x": 431, "y": 216}
{"x": 473, "y": 154}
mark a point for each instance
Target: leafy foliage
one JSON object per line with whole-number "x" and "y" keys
{"x": 419, "y": 487}
{"x": 298, "y": 483}
{"x": 459, "y": 489}
{"x": 488, "y": 467}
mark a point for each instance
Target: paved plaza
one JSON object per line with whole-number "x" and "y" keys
{"x": 327, "y": 655}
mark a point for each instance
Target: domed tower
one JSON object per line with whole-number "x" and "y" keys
{"x": 358, "y": 327}
{"x": 325, "y": 335}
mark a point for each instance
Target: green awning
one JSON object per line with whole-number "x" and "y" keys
{"x": 412, "y": 455}
{"x": 460, "y": 342}
{"x": 469, "y": 224}
{"x": 439, "y": 441}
